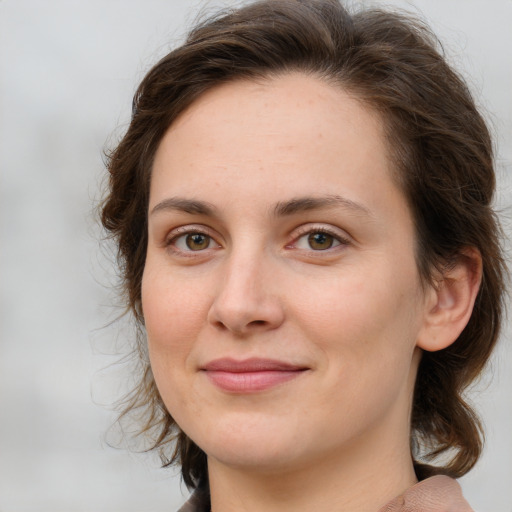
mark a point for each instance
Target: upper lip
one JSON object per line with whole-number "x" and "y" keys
{"x": 255, "y": 364}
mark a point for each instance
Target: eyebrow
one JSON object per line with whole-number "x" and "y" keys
{"x": 303, "y": 204}
{"x": 281, "y": 209}
{"x": 185, "y": 205}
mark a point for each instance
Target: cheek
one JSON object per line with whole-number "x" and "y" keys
{"x": 174, "y": 312}
{"x": 365, "y": 320}
{"x": 366, "y": 336}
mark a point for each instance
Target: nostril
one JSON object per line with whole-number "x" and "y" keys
{"x": 245, "y": 316}
{"x": 219, "y": 325}
{"x": 258, "y": 322}
{"x": 245, "y": 328}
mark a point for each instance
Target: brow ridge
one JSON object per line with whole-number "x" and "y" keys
{"x": 281, "y": 209}
{"x": 192, "y": 206}
{"x": 302, "y": 204}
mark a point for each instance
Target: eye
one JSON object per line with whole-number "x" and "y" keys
{"x": 194, "y": 241}
{"x": 318, "y": 240}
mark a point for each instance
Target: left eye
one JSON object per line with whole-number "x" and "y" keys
{"x": 318, "y": 241}
{"x": 193, "y": 242}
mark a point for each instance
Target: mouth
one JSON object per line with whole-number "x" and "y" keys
{"x": 250, "y": 375}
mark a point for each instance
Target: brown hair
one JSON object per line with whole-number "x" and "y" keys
{"x": 439, "y": 144}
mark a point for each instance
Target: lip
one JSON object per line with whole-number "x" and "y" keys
{"x": 250, "y": 375}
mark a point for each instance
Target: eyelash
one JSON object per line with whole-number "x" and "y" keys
{"x": 313, "y": 230}
{"x": 185, "y": 231}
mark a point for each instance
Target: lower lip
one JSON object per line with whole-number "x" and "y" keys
{"x": 251, "y": 382}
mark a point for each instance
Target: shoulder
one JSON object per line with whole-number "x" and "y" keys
{"x": 436, "y": 494}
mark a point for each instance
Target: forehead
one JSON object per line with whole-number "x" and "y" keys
{"x": 304, "y": 102}
{"x": 282, "y": 137}
{"x": 287, "y": 112}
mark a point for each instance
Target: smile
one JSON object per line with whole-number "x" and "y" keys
{"x": 251, "y": 375}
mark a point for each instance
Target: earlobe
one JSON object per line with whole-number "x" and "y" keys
{"x": 449, "y": 305}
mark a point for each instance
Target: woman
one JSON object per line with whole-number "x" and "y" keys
{"x": 302, "y": 205}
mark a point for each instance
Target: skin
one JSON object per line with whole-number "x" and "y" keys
{"x": 354, "y": 315}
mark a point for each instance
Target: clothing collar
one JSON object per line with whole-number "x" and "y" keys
{"x": 435, "y": 494}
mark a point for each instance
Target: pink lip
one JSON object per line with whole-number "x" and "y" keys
{"x": 250, "y": 375}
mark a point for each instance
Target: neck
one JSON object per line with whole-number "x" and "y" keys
{"x": 363, "y": 478}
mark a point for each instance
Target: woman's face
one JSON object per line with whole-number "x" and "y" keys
{"x": 281, "y": 296}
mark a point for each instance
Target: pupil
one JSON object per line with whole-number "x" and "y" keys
{"x": 320, "y": 241}
{"x": 197, "y": 241}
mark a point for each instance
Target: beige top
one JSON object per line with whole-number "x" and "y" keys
{"x": 435, "y": 494}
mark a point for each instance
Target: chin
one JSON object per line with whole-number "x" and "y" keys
{"x": 255, "y": 458}
{"x": 252, "y": 443}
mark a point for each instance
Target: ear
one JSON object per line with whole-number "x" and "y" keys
{"x": 449, "y": 304}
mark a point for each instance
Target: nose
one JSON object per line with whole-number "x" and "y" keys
{"x": 245, "y": 302}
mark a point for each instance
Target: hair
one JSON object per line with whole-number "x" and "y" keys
{"x": 441, "y": 151}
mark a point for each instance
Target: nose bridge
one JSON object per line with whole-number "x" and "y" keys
{"x": 245, "y": 300}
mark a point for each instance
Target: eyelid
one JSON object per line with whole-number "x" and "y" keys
{"x": 188, "y": 229}
{"x": 306, "y": 229}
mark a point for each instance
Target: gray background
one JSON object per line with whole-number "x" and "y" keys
{"x": 68, "y": 72}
